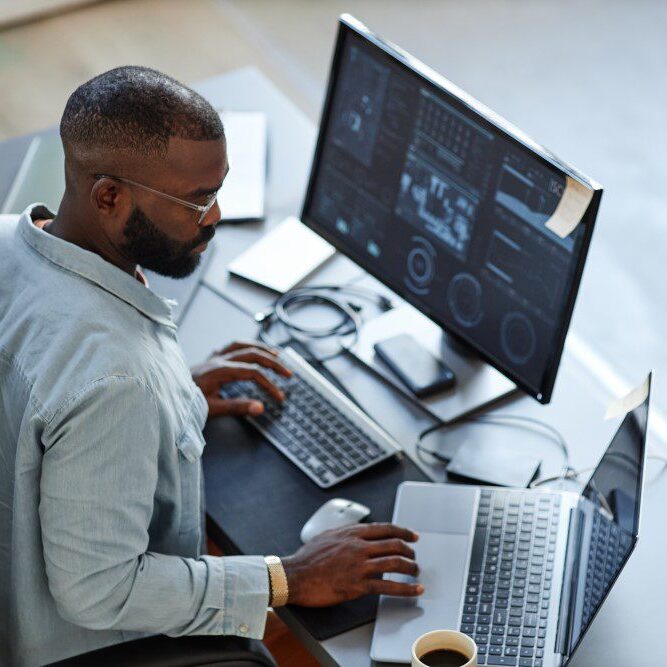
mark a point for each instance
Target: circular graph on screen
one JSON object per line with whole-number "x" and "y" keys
{"x": 420, "y": 266}
{"x": 464, "y": 296}
{"x": 517, "y": 337}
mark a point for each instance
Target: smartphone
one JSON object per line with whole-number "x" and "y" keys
{"x": 419, "y": 370}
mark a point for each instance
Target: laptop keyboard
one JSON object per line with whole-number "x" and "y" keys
{"x": 609, "y": 546}
{"x": 312, "y": 432}
{"x": 511, "y": 572}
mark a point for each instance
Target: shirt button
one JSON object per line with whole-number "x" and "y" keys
{"x": 243, "y": 629}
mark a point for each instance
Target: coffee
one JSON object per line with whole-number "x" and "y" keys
{"x": 444, "y": 657}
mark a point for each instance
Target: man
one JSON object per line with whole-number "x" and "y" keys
{"x": 101, "y": 420}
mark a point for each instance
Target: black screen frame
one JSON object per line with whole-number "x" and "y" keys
{"x": 349, "y": 25}
{"x": 641, "y": 484}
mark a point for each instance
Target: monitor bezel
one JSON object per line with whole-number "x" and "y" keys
{"x": 348, "y": 24}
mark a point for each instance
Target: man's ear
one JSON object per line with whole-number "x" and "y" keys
{"x": 112, "y": 204}
{"x": 104, "y": 196}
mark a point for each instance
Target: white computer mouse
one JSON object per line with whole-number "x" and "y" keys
{"x": 335, "y": 513}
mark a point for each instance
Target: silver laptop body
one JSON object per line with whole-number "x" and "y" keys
{"x": 447, "y": 516}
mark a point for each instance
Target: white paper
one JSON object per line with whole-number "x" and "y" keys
{"x": 283, "y": 257}
{"x": 627, "y": 403}
{"x": 571, "y": 208}
{"x": 242, "y": 194}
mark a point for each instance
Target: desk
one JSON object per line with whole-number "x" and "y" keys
{"x": 628, "y": 630}
{"x": 633, "y": 610}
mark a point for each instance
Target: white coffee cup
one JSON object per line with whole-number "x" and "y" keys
{"x": 444, "y": 639}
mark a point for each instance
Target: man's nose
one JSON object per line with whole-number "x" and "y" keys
{"x": 213, "y": 217}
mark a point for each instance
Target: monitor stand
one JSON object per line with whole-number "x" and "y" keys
{"x": 477, "y": 383}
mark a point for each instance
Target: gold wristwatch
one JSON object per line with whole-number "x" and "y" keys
{"x": 277, "y": 581}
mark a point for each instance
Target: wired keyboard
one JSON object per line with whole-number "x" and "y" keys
{"x": 317, "y": 427}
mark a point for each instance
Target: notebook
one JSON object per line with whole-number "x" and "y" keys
{"x": 242, "y": 195}
{"x": 283, "y": 257}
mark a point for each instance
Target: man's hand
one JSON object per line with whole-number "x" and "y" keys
{"x": 347, "y": 563}
{"x": 238, "y": 361}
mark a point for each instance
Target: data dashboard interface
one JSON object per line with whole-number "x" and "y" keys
{"x": 446, "y": 209}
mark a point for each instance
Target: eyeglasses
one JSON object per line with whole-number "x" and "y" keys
{"x": 203, "y": 210}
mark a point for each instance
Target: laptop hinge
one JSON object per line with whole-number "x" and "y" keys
{"x": 570, "y": 577}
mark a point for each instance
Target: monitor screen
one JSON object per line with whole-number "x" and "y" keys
{"x": 445, "y": 207}
{"x": 608, "y": 525}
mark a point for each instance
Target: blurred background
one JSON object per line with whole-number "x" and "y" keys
{"x": 586, "y": 79}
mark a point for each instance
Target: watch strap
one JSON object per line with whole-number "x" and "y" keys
{"x": 277, "y": 581}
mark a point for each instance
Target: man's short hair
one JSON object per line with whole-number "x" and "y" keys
{"x": 137, "y": 110}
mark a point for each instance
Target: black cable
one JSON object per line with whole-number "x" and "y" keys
{"x": 285, "y": 305}
{"x": 499, "y": 419}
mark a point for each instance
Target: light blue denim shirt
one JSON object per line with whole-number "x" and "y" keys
{"x": 100, "y": 472}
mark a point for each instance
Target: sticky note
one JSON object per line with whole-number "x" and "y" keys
{"x": 627, "y": 403}
{"x": 570, "y": 209}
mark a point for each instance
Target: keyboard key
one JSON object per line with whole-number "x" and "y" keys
{"x": 477, "y": 550}
{"x": 500, "y": 617}
{"x": 530, "y": 621}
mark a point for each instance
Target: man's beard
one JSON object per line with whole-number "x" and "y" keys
{"x": 152, "y": 249}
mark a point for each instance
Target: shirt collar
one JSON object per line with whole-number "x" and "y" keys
{"x": 93, "y": 268}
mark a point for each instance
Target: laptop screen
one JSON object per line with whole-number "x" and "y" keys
{"x": 606, "y": 526}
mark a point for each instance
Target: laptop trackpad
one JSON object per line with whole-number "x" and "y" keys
{"x": 442, "y": 559}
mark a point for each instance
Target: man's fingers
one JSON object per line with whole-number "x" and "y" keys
{"x": 384, "y": 531}
{"x": 385, "y": 587}
{"x": 392, "y": 564}
{"x": 234, "y": 407}
{"x": 393, "y": 547}
{"x": 259, "y": 378}
{"x": 239, "y": 370}
{"x": 240, "y": 345}
{"x": 261, "y": 358}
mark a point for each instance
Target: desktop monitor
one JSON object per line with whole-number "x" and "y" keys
{"x": 447, "y": 204}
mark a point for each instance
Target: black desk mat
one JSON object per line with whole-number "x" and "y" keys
{"x": 257, "y": 502}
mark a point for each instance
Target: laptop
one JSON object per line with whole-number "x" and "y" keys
{"x": 522, "y": 571}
